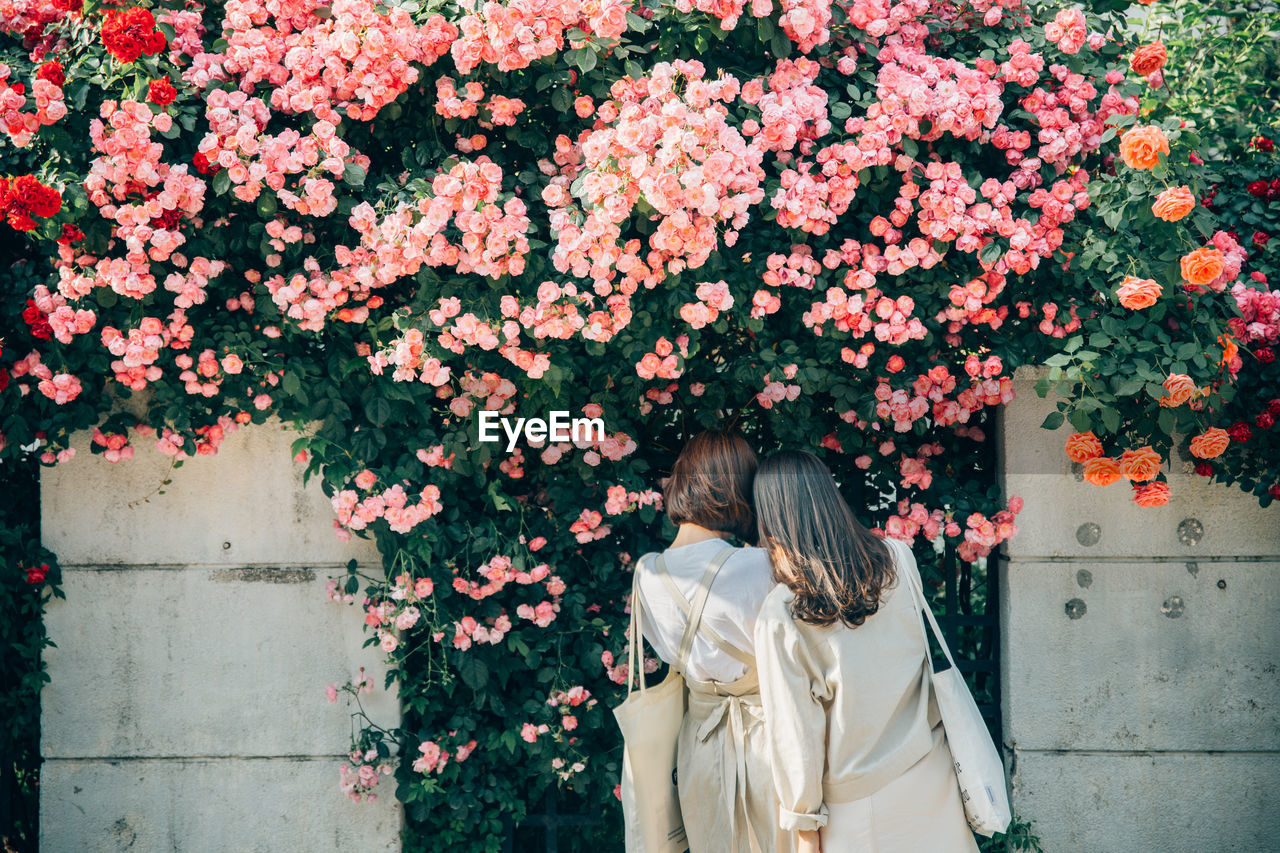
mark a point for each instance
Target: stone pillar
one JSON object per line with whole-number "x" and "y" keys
{"x": 186, "y": 709}
{"x": 1139, "y": 652}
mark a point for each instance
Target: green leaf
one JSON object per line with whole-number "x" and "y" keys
{"x": 1111, "y": 420}
{"x": 1053, "y": 421}
{"x": 473, "y": 671}
{"x": 378, "y": 410}
{"x": 353, "y": 175}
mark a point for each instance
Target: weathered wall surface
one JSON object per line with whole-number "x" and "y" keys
{"x": 186, "y": 709}
{"x": 1140, "y": 654}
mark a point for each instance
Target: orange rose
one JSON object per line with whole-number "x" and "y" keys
{"x": 1102, "y": 471}
{"x": 1141, "y": 464}
{"x": 1210, "y": 443}
{"x": 1180, "y": 388}
{"x": 1083, "y": 446}
{"x": 1229, "y": 348}
{"x": 1137, "y": 293}
{"x": 1174, "y": 204}
{"x": 1152, "y": 494}
{"x": 1148, "y": 59}
{"x": 1141, "y": 146}
{"x": 1203, "y": 266}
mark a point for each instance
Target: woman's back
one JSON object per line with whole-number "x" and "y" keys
{"x": 731, "y": 610}
{"x": 872, "y": 681}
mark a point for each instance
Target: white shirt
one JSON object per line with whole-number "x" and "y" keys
{"x": 739, "y": 590}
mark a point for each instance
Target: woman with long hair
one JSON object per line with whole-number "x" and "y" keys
{"x": 700, "y": 598}
{"x": 860, "y": 758}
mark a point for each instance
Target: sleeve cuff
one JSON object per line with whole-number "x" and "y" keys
{"x": 802, "y": 821}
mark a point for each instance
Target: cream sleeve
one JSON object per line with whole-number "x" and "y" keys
{"x": 791, "y": 687}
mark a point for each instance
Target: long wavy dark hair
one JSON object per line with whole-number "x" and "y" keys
{"x": 837, "y": 568}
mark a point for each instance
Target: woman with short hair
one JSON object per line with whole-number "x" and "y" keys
{"x": 700, "y": 600}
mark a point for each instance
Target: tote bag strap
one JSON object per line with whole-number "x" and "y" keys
{"x": 635, "y": 650}
{"x": 917, "y": 595}
{"x": 694, "y": 610}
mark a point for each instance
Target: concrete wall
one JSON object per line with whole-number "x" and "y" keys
{"x": 1141, "y": 695}
{"x": 186, "y": 710}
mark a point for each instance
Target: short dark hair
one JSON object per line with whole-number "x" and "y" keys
{"x": 710, "y": 484}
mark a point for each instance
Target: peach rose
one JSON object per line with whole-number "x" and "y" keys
{"x": 1141, "y": 146}
{"x": 1203, "y": 266}
{"x": 1102, "y": 471}
{"x": 1083, "y": 446}
{"x": 1152, "y": 494}
{"x": 1138, "y": 293}
{"x": 1210, "y": 443}
{"x": 1174, "y": 204}
{"x": 1140, "y": 465}
{"x": 1148, "y": 59}
{"x": 1180, "y": 388}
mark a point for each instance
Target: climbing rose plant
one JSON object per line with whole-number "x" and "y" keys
{"x": 838, "y": 226}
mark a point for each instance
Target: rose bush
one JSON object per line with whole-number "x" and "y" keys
{"x": 838, "y": 226}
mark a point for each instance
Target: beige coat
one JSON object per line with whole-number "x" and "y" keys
{"x": 855, "y": 737}
{"x": 722, "y": 762}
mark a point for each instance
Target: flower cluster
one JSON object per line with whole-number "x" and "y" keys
{"x": 130, "y": 33}
{"x": 46, "y": 90}
{"x": 24, "y": 198}
{"x": 664, "y": 145}
{"x": 514, "y": 34}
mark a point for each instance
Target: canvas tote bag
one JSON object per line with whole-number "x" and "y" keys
{"x": 977, "y": 761}
{"x": 650, "y": 720}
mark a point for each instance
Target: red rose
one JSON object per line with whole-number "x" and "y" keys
{"x": 1258, "y": 189}
{"x": 1274, "y": 491}
{"x": 132, "y": 33}
{"x": 1260, "y": 239}
{"x": 4, "y": 379}
{"x": 1266, "y": 356}
{"x": 161, "y": 92}
{"x": 1274, "y": 407}
{"x": 39, "y": 323}
{"x": 1273, "y": 190}
{"x": 1240, "y": 432}
{"x": 1265, "y": 420}
{"x": 52, "y": 71}
{"x": 68, "y": 5}
{"x": 37, "y": 574}
{"x": 23, "y": 198}
{"x": 1261, "y": 143}
{"x": 70, "y": 234}
{"x": 1204, "y": 469}
{"x": 203, "y": 165}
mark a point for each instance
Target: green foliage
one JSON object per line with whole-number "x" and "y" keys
{"x": 1224, "y": 69}
{"x": 22, "y": 640}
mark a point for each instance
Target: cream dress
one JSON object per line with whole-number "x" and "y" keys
{"x": 723, "y": 773}
{"x": 855, "y": 737}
